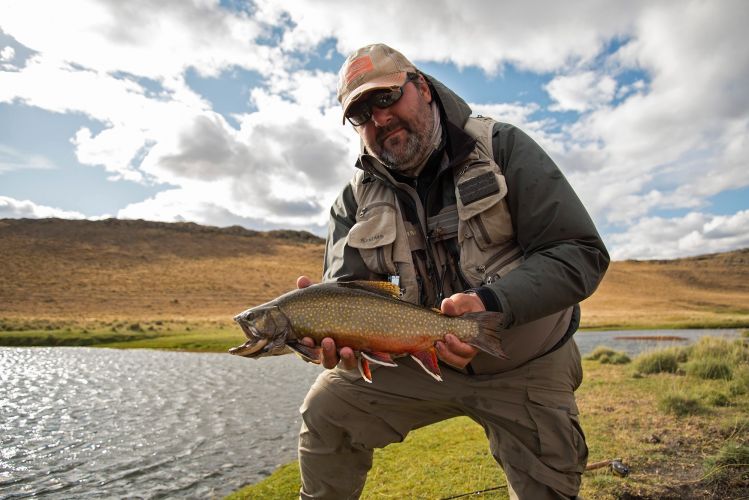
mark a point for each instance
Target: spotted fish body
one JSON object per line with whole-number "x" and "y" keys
{"x": 366, "y": 316}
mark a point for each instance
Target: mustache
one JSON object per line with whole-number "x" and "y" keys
{"x": 384, "y": 131}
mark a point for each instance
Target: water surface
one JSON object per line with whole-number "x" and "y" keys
{"x": 105, "y": 423}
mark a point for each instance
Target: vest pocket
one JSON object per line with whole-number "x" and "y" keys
{"x": 373, "y": 235}
{"x": 486, "y": 220}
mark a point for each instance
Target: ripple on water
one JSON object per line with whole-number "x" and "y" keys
{"x": 96, "y": 423}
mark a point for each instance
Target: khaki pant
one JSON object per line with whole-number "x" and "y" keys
{"x": 529, "y": 415}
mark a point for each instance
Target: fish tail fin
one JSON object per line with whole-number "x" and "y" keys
{"x": 489, "y": 335}
{"x": 427, "y": 359}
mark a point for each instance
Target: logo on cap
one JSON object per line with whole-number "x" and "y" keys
{"x": 358, "y": 66}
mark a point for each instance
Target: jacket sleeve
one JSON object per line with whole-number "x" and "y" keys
{"x": 565, "y": 258}
{"x": 342, "y": 262}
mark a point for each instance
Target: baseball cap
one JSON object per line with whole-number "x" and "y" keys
{"x": 371, "y": 67}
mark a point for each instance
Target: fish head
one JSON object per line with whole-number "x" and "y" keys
{"x": 267, "y": 329}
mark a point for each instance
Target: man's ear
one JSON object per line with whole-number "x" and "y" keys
{"x": 423, "y": 87}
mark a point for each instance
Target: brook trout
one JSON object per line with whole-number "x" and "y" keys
{"x": 366, "y": 316}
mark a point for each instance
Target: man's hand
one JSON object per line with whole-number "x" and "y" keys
{"x": 452, "y": 351}
{"x": 330, "y": 356}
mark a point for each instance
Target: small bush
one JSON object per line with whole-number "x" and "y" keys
{"x": 717, "y": 399}
{"x": 662, "y": 361}
{"x": 680, "y": 405}
{"x": 740, "y": 383}
{"x": 604, "y": 355}
{"x": 709, "y": 369}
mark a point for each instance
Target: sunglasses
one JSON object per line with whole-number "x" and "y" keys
{"x": 360, "y": 112}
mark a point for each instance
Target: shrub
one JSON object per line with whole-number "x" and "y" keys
{"x": 740, "y": 383}
{"x": 679, "y": 404}
{"x": 709, "y": 369}
{"x": 605, "y": 355}
{"x": 665, "y": 360}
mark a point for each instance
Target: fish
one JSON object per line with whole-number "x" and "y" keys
{"x": 367, "y": 316}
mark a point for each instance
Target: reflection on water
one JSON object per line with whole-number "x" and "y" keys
{"x": 633, "y": 342}
{"x": 103, "y": 423}
{"x": 96, "y": 423}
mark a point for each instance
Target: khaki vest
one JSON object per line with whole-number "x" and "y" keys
{"x": 480, "y": 220}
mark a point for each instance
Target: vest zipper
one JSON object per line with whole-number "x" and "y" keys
{"x": 500, "y": 259}
{"x": 376, "y": 204}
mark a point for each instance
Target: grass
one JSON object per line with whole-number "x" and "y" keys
{"x": 682, "y": 436}
{"x": 605, "y": 355}
{"x": 206, "y": 336}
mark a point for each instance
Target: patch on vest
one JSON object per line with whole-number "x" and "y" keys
{"x": 478, "y": 188}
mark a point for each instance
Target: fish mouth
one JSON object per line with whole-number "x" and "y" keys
{"x": 249, "y": 348}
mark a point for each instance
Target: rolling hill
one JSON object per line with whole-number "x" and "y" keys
{"x": 123, "y": 269}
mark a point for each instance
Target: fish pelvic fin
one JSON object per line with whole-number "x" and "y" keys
{"x": 379, "y": 358}
{"x": 364, "y": 369}
{"x": 427, "y": 359}
{"x": 489, "y": 335}
{"x": 310, "y": 354}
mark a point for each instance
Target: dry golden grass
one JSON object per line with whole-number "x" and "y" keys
{"x": 84, "y": 271}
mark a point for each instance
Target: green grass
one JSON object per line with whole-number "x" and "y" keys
{"x": 662, "y": 424}
{"x": 605, "y": 355}
{"x": 169, "y": 335}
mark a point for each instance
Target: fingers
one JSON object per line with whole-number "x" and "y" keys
{"x": 303, "y": 282}
{"x": 461, "y": 303}
{"x": 330, "y": 356}
{"x": 454, "y": 352}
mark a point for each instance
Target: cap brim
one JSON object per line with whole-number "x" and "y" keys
{"x": 393, "y": 80}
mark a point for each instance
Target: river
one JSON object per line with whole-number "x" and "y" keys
{"x": 106, "y": 423}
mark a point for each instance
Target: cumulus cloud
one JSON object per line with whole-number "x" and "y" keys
{"x": 693, "y": 234}
{"x": 669, "y": 137}
{"x": 581, "y": 92}
{"x": 11, "y": 208}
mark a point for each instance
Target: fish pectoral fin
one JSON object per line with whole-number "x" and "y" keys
{"x": 379, "y": 358}
{"x": 364, "y": 369}
{"x": 311, "y": 354}
{"x": 428, "y": 361}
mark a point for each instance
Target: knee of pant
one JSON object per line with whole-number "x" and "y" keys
{"x": 332, "y": 420}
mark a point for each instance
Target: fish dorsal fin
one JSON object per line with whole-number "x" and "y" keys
{"x": 379, "y": 287}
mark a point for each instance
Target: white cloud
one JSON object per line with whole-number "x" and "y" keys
{"x": 12, "y": 159}
{"x": 693, "y": 234}
{"x": 581, "y": 92}
{"x": 664, "y": 122}
{"x": 7, "y": 53}
{"x": 10, "y": 208}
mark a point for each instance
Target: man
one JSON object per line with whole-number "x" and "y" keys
{"x": 465, "y": 214}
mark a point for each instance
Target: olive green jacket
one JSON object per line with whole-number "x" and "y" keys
{"x": 564, "y": 257}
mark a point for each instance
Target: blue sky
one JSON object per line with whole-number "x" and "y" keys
{"x": 224, "y": 113}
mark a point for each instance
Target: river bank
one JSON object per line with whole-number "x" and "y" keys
{"x": 683, "y": 433}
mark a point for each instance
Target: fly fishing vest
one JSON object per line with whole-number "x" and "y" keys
{"x": 467, "y": 244}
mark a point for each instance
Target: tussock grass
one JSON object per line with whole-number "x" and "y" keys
{"x": 709, "y": 368}
{"x": 680, "y": 404}
{"x": 731, "y": 455}
{"x": 663, "y": 361}
{"x": 606, "y": 355}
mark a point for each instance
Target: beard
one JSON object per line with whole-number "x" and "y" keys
{"x": 404, "y": 154}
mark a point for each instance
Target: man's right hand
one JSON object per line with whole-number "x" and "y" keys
{"x": 330, "y": 356}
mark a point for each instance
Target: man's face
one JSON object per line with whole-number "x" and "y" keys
{"x": 399, "y": 135}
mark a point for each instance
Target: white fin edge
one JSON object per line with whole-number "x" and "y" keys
{"x": 377, "y": 361}
{"x": 434, "y": 375}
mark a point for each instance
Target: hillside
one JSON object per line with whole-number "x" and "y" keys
{"x": 118, "y": 269}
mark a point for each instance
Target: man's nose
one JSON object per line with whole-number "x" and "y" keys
{"x": 381, "y": 116}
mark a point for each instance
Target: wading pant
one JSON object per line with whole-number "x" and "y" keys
{"x": 529, "y": 416}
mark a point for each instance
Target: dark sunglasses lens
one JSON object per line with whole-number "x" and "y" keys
{"x": 359, "y": 113}
{"x": 385, "y": 99}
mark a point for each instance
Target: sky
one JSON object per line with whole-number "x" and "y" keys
{"x": 224, "y": 112}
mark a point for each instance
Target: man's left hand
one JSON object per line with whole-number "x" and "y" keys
{"x": 452, "y": 351}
